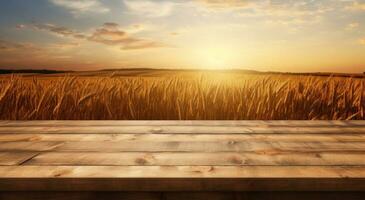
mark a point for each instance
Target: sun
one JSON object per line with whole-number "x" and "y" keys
{"x": 214, "y": 63}
{"x": 215, "y": 58}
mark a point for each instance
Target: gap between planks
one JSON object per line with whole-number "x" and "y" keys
{"x": 182, "y": 130}
{"x": 278, "y": 123}
{"x": 141, "y": 146}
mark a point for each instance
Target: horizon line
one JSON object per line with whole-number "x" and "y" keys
{"x": 45, "y": 70}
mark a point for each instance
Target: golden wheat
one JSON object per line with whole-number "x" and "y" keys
{"x": 201, "y": 97}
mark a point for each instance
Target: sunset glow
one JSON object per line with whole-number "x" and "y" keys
{"x": 265, "y": 35}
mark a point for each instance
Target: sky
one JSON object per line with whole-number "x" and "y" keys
{"x": 264, "y": 35}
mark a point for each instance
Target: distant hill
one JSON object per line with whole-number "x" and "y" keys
{"x": 31, "y": 71}
{"x": 132, "y": 69}
{"x": 179, "y": 70}
{"x": 122, "y": 70}
{"x": 246, "y": 71}
{"x": 324, "y": 74}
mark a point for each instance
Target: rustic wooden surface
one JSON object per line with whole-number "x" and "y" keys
{"x": 178, "y": 156}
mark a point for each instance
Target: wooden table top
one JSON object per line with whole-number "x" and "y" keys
{"x": 182, "y": 155}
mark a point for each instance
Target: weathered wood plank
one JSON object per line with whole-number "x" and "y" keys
{"x": 197, "y": 178}
{"x": 186, "y": 156}
{"x": 29, "y": 146}
{"x": 15, "y": 158}
{"x": 183, "y": 130}
{"x": 278, "y": 123}
{"x": 231, "y": 146}
{"x": 196, "y": 159}
{"x": 182, "y": 137}
{"x": 146, "y": 172}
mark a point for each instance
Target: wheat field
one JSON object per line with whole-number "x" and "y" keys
{"x": 181, "y": 96}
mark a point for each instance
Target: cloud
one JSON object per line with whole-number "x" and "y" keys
{"x": 275, "y": 12}
{"x": 82, "y": 6}
{"x": 362, "y": 41}
{"x": 18, "y": 54}
{"x": 298, "y": 8}
{"x": 149, "y": 8}
{"x": 109, "y": 34}
{"x": 142, "y": 44}
{"x": 293, "y": 13}
{"x": 11, "y": 46}
{"x": 20, "y": 26}
{"x": 59, "y": 30}
{"x": 136, "y": 28}
{"x": 174, "y": 33}
{"x": 222, "y": 4}
{"x": 352, "y": 26}
{"x": 357, "y": 6}
{"x": 111, "y": 25}
{"x": 14, "y": 46}
{"x": 64, "y": 46}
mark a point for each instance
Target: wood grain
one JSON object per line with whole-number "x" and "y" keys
{"x": 196, "y": 178}
{"x": 44, "y": 137}
{"x": 231, "y": 146}
{"x": 181, "y": 130}
{"x": 176, "y": 156}
{"x": 15, "y": 158}
{"x": 193, "y": 159}
{"x": 29, "y": 146}
{"x": 172, "y": 172}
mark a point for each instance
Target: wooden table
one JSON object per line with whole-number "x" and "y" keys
{"x": 182, "y": 159}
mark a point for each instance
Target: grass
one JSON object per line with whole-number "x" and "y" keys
{"x": 184, "y": 96}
